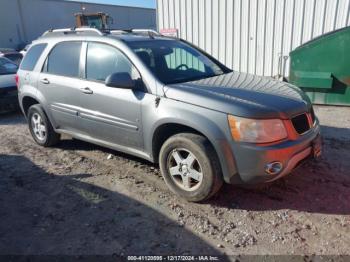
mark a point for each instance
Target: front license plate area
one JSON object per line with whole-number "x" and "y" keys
{"x": 317, "y": 146}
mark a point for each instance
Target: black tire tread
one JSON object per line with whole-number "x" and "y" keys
{"x": 208, "y": 151}
{"x": 52, "y": 137}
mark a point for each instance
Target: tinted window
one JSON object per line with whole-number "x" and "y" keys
{"x": 7, "y": 67}
{"x": 32, "y": 56}
{"x": 64, "y": 59}
{"x": 103, "y": 60}
{"x": 16, "y": 58}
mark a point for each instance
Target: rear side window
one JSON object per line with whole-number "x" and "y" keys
{"x": 64, "y": 59}
{"x": 32, "y": 56}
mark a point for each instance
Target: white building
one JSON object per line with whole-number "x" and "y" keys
{"x": 252, "y": 36}
{"x": 21, "y": 21}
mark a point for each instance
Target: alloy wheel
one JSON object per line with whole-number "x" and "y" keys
{"x": 185, "y": 169}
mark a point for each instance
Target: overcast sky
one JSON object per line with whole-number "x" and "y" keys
{"x": 140, "y": 3}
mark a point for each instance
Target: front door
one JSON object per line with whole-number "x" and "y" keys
{"x": 111, "y": 114}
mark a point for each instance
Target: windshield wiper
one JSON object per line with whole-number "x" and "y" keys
{"x": 184, "y": 80}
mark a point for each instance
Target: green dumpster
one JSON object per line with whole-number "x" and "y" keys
{"x": 321, "y": 67}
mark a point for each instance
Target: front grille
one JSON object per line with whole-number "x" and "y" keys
{"x": 301, "y": 123}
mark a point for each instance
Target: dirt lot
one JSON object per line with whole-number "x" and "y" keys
{"x": 72, "y": 199}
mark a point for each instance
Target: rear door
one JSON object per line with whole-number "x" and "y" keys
{"x": 61, "y": 84}
{"x": 111, "y": 114}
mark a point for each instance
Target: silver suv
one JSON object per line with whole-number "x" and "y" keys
{"x": 164, "y": 100}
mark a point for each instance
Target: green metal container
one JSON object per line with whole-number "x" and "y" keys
{"x": 321, "y": 67}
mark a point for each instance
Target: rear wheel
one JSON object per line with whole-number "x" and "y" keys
{"x": 190, "y": 167}
{"x": 41, "y": 128}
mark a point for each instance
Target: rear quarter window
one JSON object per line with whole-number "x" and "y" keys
{"x": 31, "y": 58}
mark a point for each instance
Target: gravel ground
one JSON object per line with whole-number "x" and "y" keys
{"x": 78, "y": 198}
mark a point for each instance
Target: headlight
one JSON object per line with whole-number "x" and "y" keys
{"x": 256, "y": 130}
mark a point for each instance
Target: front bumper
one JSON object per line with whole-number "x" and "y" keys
{"x": 251, "y": 159}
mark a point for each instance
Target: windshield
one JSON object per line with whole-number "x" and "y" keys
{"x": 174, "y": 61}
{"x": 7, "y": 67}
{"x": 16, "y": 57}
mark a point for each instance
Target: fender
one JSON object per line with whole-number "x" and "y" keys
{"x": 212, "y": 124}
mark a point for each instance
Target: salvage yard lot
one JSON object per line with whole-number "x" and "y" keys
{"x": 75, "y": 199}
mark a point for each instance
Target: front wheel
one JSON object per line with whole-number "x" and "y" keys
{"x": 190, "y": 166}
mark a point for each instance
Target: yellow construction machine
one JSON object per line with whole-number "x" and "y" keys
{"x": 101, "y": 21}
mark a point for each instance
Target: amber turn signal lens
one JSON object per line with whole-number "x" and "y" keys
{"x": 233, "y": 126}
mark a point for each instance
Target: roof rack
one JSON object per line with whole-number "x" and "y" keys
{"x": 79, "y": 30}
{"x": 94, "y": 31}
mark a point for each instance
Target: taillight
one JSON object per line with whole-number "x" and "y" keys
{"x": 17, "y": 81}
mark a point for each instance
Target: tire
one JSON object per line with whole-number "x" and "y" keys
{"x": 45, "y": 134}
{"x": 182, "y": 174}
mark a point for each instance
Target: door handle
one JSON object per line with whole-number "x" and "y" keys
{"x": 45, "y": 81}
{"x": 86, "y": 90}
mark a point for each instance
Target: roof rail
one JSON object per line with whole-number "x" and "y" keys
{"x": 95, "y": 31}
{"x": 146, "y": 31}
{"x": 80, "y": 30}
{"x": 140, "y": 31}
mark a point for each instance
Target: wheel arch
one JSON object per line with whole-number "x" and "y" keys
{"x": 28, "y": 99}
{"x": 168, "y": 127}
{"x": 27, "y": 102}
{"x": 167, "y": 130}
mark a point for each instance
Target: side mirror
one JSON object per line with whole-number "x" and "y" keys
{"x": 120, "y": 80}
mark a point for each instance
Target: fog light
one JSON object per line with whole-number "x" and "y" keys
{"x": 273, "y": 168}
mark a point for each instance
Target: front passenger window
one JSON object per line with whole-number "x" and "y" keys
{"x": 103, "y": 60}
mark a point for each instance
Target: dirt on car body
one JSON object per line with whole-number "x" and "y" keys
{"x": 77, "y": 198}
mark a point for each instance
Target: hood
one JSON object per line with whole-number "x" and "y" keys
{"x": 243, "y": 95}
